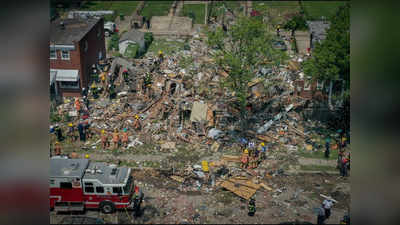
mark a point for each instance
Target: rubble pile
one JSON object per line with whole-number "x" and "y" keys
{"x": 178, "y": 100}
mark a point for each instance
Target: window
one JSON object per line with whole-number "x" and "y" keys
{"x": 65, "y": 55}
{"x": 89, "y": 187}
{"x": 100, "y": 189}
{"x": 69, "y": 84}
{"x": 320, "y": 85}
{"x": 51, "y": 181}
{"x": 67, "y": 185}
{"x": 53, "y": 54}
{"x": 117, "y": 190}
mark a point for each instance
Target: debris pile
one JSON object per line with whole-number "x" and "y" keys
{"x": 175, "y": 100}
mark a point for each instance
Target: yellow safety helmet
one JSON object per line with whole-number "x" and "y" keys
{"x": 246, "y": 151}
{"x": 87, "y": 156}
{"x": 160, "y": 52}
{"x": 57, "y": 142}
{"x": 136, "y": 116}
{"x": 70, "y": 124}
{"x": 149, "y": 85}
{"x": 103, "y": 131}
{"x": 262, "y": 144}
{"x": 93, "y": 86}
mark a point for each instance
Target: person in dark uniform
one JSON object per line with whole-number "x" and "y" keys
{"x": 327, "y": 145}
{"x": 252, "y": 207}
{"x": 137, "y": 200}
{"x": 59, "y": 133}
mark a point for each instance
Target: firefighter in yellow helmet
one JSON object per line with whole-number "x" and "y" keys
{"x": 137, "y": 124}
{"x": 71, "y": 132}
{"x": 244, "y": 159}
{"x": 160, "y": 56}
{"x": 104, "y": 139}
{"x": 263, "y": 150}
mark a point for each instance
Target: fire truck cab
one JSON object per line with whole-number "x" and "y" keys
{"x": 77, "y": 184}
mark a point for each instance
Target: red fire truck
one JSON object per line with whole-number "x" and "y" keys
{"x": 77, "y": 184}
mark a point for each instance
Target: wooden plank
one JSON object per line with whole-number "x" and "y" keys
{"x": 242, "y": 191}
{"x": 246, "y": 183}
{"x": 265, "y": 186}
{"x": 328, "y": 197}
{"x": 177, "y": 178}
{"x": 231, "y": 158}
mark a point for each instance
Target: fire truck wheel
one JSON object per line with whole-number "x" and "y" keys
{"x": 107, "y": 207}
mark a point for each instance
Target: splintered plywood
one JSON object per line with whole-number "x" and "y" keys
{"x": 231, "y": 158}
{"x": 240, "y": 190}
{"x": 245, "y": 182}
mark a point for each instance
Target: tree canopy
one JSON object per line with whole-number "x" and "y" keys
{"x": 331, "y": 57}
{"x": 240, "y": 50}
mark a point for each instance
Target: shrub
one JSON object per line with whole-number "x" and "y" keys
{"x": 114, "y": 43}
{"x": 148, "y": 39}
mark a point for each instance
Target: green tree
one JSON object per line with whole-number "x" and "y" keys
{"x": 331, "y": 57}
{"x": 297, "y": 22}
{"x": 114, "y": 42}
{"x": 239, "y": 51}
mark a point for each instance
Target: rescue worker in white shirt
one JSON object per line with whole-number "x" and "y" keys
{"x": 327, "y": 204}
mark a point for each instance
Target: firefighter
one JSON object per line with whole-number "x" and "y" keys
{"x": 278, "y": 30}
{"x": 137, "y": 200}
{"x": 58, "y": 133}
{"x": 147, "y": 83}
{"x": 263, "y": 150}
{"x": 253, "y": 159}
{"x": 252, "y": 207}
{"x": 125, "y": 138}
{"x": 71, "y": 132}
{"x": 86, "y": 101}
{"x": 77, "y": 105}
{"x": 57, "y": 148}
{"x": 103, "y": 78}
{"x": 125, "y": 74}
{"x": 111, "y": 91}
{"x": 84, "y": 92}
{"x": 94, "y": 91}
{"x": 160, "y": 56}
{"x": 137, "y": 124}
{"x": 115, "y": 139}
{"x": 245, "y": 159}
{"x": 104, "y": 139}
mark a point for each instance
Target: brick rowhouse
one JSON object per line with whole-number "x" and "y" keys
{"x": 75, "y": 45}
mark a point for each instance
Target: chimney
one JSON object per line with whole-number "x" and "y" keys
{"x": 62, "y": 26}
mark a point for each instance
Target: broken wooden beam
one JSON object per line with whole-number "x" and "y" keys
{"x": 328, "y": 197}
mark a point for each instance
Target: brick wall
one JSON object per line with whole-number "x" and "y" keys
{"x": 91, "y": 56}
{"x": 82, "y": 60}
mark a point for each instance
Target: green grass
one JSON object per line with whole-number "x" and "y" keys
{"x": 197, "y": 9}
{"x": 317, "y": 168}
{"x": 316, "y": 9}
{"x": 282, "y": 7}
{"x": 156, "y": 8}
{"x": 124, "y": 7}
{"x": 166, "y": 46}
{"x": 320, "y": 154}
{"x": 277, "y": 10}
{"x": 217, "y": 7}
